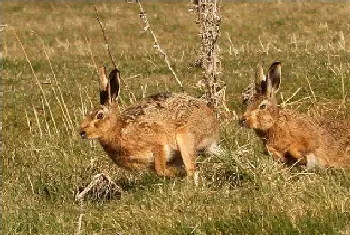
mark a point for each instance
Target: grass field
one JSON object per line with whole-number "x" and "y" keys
{"x": 45, "y": 163}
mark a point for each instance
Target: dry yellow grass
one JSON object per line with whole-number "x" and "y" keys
{"x": 241, "y": 192}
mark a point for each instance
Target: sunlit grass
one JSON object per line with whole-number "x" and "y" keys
{"x": 243, "y": 191}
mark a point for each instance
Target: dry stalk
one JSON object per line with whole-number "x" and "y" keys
{"x": 66, "y": 113}
{"x": 31, "y": 183}
{"x": 147, "y": 27}
{"x": 83, "y": 108}
{"x": 47, "y": 104}
{"x": 37, "y": 122}
{"x": 44, "y": 114}
{"x": 232, "y": 48}
{"x": 343, "y": 89}
{"x": 28, "y": 121}
{"x": 80, "y": 222}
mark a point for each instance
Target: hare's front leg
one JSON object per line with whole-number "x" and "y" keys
{"x": 160, "y": 160}
{"x": 186, "y": 144}
{"x": 276, "y": 155}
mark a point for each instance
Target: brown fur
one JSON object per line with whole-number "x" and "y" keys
{"x": 154, "y": 132}
{"x": 291, "y": 137}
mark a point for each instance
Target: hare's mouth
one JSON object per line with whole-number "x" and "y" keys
{"x": 241, "y": 122}
{"x": 245, "y": 122}
{"x": 83, "y": 134}
{"x": 91, "y": 136}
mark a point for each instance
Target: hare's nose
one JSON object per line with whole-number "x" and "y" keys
{"x": 83, "y": 134}
{"x": 241, "y": 121}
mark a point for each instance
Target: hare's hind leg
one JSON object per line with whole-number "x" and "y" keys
{"x": 298, "y": 154}
{"x": 186, "y": 144}
{"x": 160, "y": 162}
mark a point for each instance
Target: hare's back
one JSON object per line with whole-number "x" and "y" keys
{"x": 165, "y": 106}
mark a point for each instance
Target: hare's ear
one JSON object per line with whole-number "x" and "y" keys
{"x": 114, "y": 81}
{"x": 260, "y": 81}
{"x": 104, "y": 86}
{"x": 274, "y": 78}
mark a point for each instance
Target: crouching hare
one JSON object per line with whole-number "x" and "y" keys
{"x": 290, "y": 137}
{"x": 153, "y": 133}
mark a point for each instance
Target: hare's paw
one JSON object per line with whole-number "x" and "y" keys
{"x": 276, "y": 155}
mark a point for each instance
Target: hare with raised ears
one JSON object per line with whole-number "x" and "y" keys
{"x": 155, "y": 132}
{"x": 290, "y": 137}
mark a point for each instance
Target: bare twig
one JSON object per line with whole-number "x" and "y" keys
{"x": 311, "y": 90}
{"x": 296, "y": 101}
{"x": 96, "y": 179}
{"x": 143, "y": 16}
{"x": 104, "y": 35}
{"x": 285, "y": 103}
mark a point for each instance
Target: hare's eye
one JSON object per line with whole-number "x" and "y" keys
{"x": 263, "y": 106}
{"x": 99, "y": 116}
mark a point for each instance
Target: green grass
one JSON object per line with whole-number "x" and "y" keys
{"x": 241, "y": 192}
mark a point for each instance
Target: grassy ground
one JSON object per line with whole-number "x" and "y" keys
{"x": 45, "y": 163}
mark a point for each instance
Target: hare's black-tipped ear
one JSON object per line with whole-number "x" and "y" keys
{"x": 274, "y": 78}
{"x": 104, "y": 87}
{"x": 114, "y": 81}
{"x": 260, "y": 82}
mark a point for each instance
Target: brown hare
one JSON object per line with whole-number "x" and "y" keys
{"x": 154, "y": 133}
{"x": 290, "y": 137}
